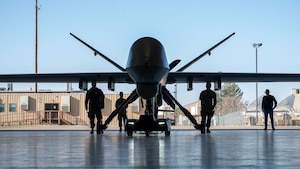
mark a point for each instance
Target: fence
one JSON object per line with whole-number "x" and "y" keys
{"x": 39, "y": 117}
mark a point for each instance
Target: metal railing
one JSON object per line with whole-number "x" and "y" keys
{"x": 39, "y": 117}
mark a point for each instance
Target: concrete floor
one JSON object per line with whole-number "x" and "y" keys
{"x": 183, "y": 149}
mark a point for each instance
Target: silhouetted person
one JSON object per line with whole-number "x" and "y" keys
{"x": 208, "y": 103}
{"x": 268, "y": 105}
{"x": 122, "y": 113}
{"x": 94, "y": 102}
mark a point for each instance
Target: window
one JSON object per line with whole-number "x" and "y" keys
{"x": 1, "y": 107}
{"x": 12, "y": 107}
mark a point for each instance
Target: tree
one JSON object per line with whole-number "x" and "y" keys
{"x": 231, "y": 90}
{"x": 229, "y": 98}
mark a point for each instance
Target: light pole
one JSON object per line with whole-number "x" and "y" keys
{"x": 256, "y": 45}
{"x": 36, "y": 42}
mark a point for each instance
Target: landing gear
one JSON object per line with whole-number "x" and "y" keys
{"x": 147, "y": 133}
{"x": 147, "y": 125}
{"x": 167, "y": 133}
{"x": 129, "y": 133}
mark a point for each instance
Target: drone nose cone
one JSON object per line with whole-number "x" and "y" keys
{"x": 147, "y": 91}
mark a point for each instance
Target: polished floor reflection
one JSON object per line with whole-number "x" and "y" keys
{"x": 183, "y": 149}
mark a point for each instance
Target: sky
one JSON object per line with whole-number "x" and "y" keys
{"x": 185, "y": 28}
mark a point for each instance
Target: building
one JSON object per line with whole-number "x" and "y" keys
{"x": 286, "y": 113}
{"x": 30, "y": 108}
{"x": 194, "y": 108}
{"x": 67, "y": 108}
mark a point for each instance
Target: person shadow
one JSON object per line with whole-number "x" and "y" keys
{"x": 208, "y": 151}
{"x": 268, "y": 148}
{"x": 94, "y": 152}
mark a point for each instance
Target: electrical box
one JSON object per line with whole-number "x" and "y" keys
{"x": 135, "y": 106}
{"x": 66, "y": 103}
{"x": 24, "y": 102}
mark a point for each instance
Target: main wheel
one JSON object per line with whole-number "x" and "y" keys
{"x": 167, "y": 133}
{"x": 147, "y": 133}
{"x": 129, "y": 133}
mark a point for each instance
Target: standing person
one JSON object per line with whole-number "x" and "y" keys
{"x": 122, "y": 113}
{"x": 94, "y": 102}
{"x": 268, "y": 105}
{"x": 208, "y": 102}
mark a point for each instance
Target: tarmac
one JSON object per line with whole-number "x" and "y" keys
{"x": 54, "y": 146}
